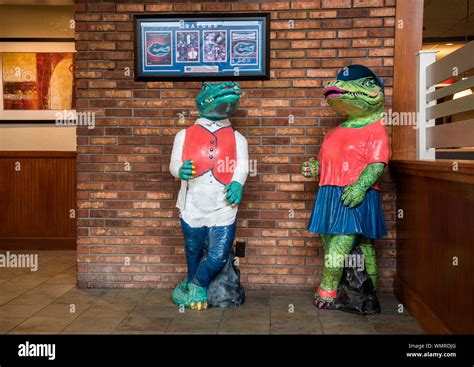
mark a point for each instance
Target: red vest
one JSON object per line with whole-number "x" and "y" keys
{"x": 214, "y": 152}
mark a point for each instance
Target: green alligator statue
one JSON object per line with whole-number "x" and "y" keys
{"x": 347, "y": 211}
{"x": 211, "y": 159}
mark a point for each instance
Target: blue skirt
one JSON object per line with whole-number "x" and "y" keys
{"x": 331, "y": 216}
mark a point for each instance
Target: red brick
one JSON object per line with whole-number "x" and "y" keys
{"x": 336, "y": 3}
{"x": 130, "y": 8}
{"x": 131, "y": 214}
{"x": 281, "y": 5}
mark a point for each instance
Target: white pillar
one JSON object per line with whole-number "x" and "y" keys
{"x": 424, "y": 59}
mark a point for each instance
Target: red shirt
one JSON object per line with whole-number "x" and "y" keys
{"x": 346, "y": 151}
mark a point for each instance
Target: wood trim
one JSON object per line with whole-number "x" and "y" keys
{"x": 38, "y": 243}
{"x": 440, "y": 169}
{"x": 418, "y": 309}
{"x": 32, "y": 39}
{"x": 36, "y": 154}
{"x": 408, "y": 42}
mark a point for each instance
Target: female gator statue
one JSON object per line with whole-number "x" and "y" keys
{"x": 347, "y": 212}
{"x": 211, "y": 159}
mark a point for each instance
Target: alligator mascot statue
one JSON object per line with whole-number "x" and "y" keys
{"x": 347, "y": 212}
{"x": 211, "y": 159}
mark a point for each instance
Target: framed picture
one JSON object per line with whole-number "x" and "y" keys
{"x": 202, "y": 47}
{"x": 36, "y": 80}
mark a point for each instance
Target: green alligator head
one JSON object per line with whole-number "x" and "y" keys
{"x": 218, "y": 101}
{"x": 361, "y": 99}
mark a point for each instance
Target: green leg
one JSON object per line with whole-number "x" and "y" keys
{"x": 367, "y": 247}
{"x": 336, "y": 247}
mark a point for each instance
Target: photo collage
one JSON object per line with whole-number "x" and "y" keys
{"x": 236, "y": 47}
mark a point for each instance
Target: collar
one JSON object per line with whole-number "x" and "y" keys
{"x": 206, "y": 122}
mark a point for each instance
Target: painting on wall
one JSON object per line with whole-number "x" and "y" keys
{"x": 36, "y": 81}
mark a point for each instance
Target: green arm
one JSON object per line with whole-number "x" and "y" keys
{"x": 354, "y": 193}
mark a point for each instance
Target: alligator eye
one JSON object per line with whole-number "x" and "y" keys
{"x": 369, "y": 82}
{"x": 205, "y": 87}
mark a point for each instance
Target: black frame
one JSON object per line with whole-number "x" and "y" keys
{"x": 210, "y": 76}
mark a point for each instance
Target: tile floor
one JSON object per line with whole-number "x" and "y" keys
{"x": 47, "y": 302}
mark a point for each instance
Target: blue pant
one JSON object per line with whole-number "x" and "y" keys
{"x": 207, "y": 251}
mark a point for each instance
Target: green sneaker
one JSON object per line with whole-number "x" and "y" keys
{"x": 197, "y": 297}
{"x": 180, "y": 293}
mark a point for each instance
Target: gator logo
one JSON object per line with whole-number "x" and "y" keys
{"x": 244, "y": 48}
{"x": 159, "y": 49}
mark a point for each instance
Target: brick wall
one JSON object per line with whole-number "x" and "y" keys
{"x": 128, "y": 229}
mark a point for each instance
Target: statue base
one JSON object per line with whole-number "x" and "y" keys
{"x": 356, "y": 293}
{"x": 225, "y": 290}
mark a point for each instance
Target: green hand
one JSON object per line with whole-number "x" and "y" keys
{"x": 233, "y": 193}
{"x": 354, "y": 193}
{"x": 310, "y": 168}
{"x": 187, "y": 170}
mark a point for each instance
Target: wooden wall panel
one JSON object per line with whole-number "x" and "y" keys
{"x": 35, "y": 202}
{"x": 436, "y": 227}
{"x": 408, "y": 41}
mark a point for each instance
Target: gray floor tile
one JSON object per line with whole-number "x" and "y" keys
{"x": 9, "y": 323}
{"x": 40, "y": 302}
{"x": 93, "y": 325}
{"x": 14, "y": 310}
{"x": 37, "y": 325}
{"x": 196, "y": 322}
{"x": 394, "y": 324}
{"x": 145, "y": 325}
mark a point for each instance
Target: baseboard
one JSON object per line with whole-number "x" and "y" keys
{"x": 418, "y": 309}
{"x": 38, "y": 243}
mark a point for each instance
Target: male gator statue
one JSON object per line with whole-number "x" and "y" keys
{"x": 347, "y": 212}
{"x": 211, "y": 159}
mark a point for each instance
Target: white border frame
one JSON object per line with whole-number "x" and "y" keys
{"x": 199, "y": 45}
{"x": 226, "y": 45}
{"x": 31, "y": 115}
{"x": 257, "y": 51}
{"x": 145, "y": 49}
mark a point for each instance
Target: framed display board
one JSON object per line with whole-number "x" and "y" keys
{"x": 202, "y": 47}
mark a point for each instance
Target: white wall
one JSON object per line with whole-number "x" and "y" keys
{"x": 38, "y": 138}
{"x": 40, "y": 22}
